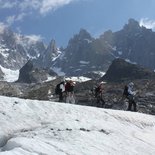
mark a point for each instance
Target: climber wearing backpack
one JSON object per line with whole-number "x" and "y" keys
{"x": 59, "y": 90}
{"x": 99, "y": 95}
{"x": 69, "y": 89}
{"x": 130, "y": 95}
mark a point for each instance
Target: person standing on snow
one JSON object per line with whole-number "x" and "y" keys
{"x": 69, "y": 89}
{"x": 130, "y": 95}
{"x": 59, "y": 90}
{"x": 99, "y": 95}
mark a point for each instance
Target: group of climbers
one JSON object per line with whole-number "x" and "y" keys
{"x": 66, "y": 94}
{"x": 128, "y": 94}
{"x": 65, "y": 90}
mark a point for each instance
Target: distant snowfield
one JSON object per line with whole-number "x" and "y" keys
{"x": 78, "y": 79}
{"x": 31, "y": 127}
{"x": 10, "y": 75}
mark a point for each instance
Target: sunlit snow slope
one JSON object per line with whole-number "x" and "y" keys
{"x": 31, "y": 127}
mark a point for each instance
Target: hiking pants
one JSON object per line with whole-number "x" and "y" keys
{"x": 61, "y": 97}
{"x": 100, "y": 101}
{"x": 131, "y": 103}
{"x": 70, "y": 98}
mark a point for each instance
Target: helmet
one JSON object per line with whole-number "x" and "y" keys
{"x": 131, "y": 84}
{"x": 74, "y": 83}
{"x": 101, "y": 83}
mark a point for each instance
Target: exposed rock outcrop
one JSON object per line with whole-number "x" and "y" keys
{"x": 121, "y": 70}
{"x": 29, "y": 73}
{"x": 84, "y": 54}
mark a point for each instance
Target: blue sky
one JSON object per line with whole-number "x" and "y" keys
{"x": 61, "y": 19}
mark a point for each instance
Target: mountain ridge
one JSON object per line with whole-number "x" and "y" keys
{"x": 83, "y": 54}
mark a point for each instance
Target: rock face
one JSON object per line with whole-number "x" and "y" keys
{"x": 84, "y": 54}
{"x": 1, "y": 74}
{"x": 16, "y": 50}
{"x": 47, "y": 58}
{"x": 120, "y": 70}
{"x": 31, "y": 74}
{"x": 135, "y": 43}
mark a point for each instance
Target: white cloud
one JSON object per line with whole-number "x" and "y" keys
{"x": 27, "y": 39}
{"x": 20, "y": 16}
{"x": 50, "y": 5}
{"x": 34, "y": 38}
{"x": 26, "y": 7}
{"x": 29, "y": 4}
{"x": 2, "y": 27}
{"x": 18, "y": 29}
{"x": 7, "y": 4}
{"x": 41, "y": 6}
{"x": 146, "y": 22}
{"x": 11, "y": 19}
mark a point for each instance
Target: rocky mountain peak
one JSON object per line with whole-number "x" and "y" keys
{"x": 52, "y": 49}
{"x": 30, "y": 73}
{"x": 83, "y": 34}
{"x": 83, "y": 37}
{"x": 47, "y": 58}
{"x": 84, "y": 53}
{"x": 17, "y": 49}
{"x": 121, "y": 70}
{"x": 132, "y": 26}
{"x": 135, "y": 43}
{"x": 133, "y": 23}
{"x": 52, "y": 45}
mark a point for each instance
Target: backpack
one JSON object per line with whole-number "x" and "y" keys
{"x": 125, "y": 92}
{"x": 97, "y": 90}
{"x": 57, "y": 89}
{"x": 69, "y": 87}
